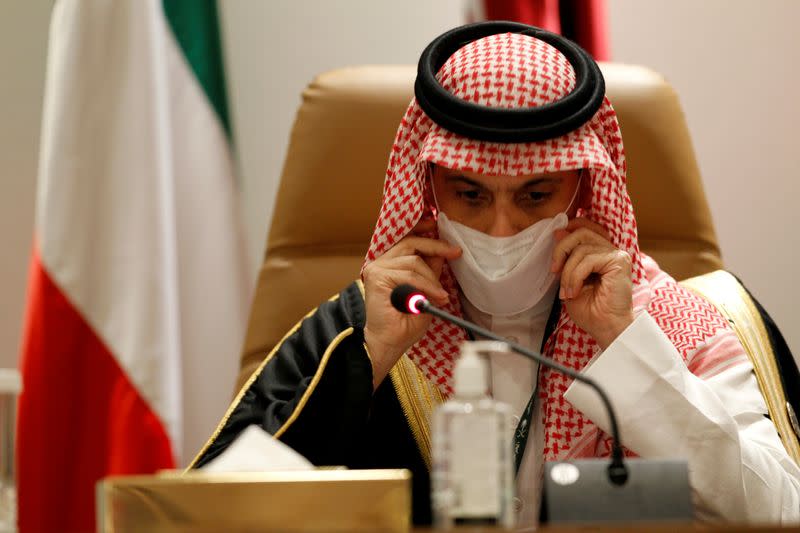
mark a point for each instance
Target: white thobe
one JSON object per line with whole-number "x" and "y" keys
{"x": 738, "y": 467}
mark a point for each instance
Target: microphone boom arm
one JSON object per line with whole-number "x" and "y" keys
{"x": 617, "y": 471}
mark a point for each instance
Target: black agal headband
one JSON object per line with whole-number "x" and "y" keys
{"x": 495, "y": 124}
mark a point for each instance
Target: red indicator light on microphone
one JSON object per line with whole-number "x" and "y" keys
{"x": 413, "y": 300}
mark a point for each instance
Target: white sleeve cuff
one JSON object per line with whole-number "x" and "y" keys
{"x": 628, "y": 369}
{"x": 737, "y": 465}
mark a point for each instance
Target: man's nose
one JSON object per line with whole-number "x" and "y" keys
{"x": 501, "y": 224}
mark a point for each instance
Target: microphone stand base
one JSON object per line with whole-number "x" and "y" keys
{"x": 581, "y": 491}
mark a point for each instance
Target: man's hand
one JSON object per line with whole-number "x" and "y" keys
{"x": 417, "y": 261}
{"x": 596, "y": 284}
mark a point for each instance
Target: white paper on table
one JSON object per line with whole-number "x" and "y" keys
{"x": 254, "y": 450}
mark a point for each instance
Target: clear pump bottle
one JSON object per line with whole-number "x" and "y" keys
{"x": 472, "y": 474}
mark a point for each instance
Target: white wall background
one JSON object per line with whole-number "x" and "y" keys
{"x": 23, "y": 49}
{"x": 275, "y": 48}
{"x": 734, "y": 64}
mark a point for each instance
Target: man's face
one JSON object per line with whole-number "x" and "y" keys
{"x": 502, "y": 206}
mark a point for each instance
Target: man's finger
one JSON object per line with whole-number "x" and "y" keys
{"x": 578, "y": 272}
{"x": 413, "y": 263}
{"x": 424, "y": 246}
{"x": 569, "y": 242}
{"x": 436, "y": 264}
{"x": 425, "y": 225}
{"x": 583, "y": 222}
{"x": 572, "y": 277}
{"x": 594, "y": 263}
{"x": 433, "y": 290}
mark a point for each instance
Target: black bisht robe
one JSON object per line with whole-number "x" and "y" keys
{"x": 342, "y": 423}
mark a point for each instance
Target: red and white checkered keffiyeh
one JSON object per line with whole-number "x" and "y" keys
{"x": 512, "y": 71}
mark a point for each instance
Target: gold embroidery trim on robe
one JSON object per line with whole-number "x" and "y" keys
{"x": 314, "y": 381}
{"x": 418, "y": 397}
{"x": 731, "y": 299}
{"x": 254, "y": 376}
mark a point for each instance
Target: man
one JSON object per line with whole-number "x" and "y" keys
{"x": 505, "y": 202}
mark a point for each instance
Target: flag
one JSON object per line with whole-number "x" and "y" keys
{"x": 583, "y": 21}
{"x": 139, "y": 284}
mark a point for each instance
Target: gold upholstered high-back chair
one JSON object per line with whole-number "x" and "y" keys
{"x": 330, "y": 193}
{"x": 330, "y": 190}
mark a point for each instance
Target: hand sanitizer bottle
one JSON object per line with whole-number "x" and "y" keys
{"x": 472, "y": 474}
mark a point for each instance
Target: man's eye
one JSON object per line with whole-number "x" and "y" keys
{"x": 472, "y": 195}
{"x": 536, "y": 197}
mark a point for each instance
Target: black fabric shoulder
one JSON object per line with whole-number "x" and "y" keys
{"x": 330, "y": 339}
{"x": 787, "y": 365}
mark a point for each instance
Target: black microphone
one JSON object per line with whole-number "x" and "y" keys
{"x": 653, "y": 490}
{"x": 408, "y": 299}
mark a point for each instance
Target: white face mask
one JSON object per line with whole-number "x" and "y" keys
{"x": 504, "y": 276}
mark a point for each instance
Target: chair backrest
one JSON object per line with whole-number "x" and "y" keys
{"x": 330, "y": 190}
